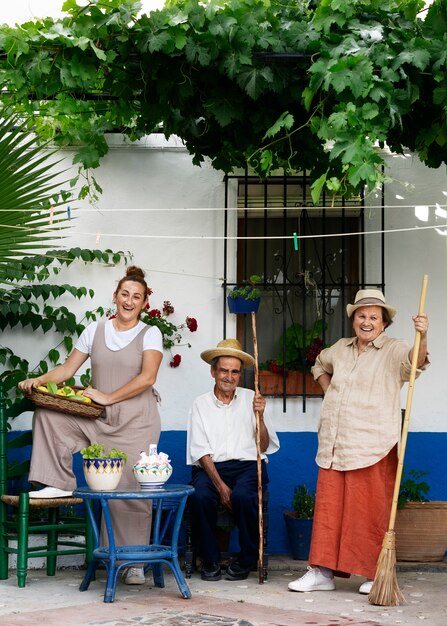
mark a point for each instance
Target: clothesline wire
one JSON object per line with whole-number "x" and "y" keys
{"x": 242, "y": 238}
{"x": 268, "y": 237}
{"x": 253, "y": 208}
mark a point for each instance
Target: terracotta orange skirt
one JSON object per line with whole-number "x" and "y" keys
{"x": 352, "y": 516}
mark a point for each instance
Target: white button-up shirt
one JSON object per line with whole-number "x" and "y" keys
{"x": 225, "y": 431}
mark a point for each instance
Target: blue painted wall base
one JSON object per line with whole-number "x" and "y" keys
{"x": 294, "y": 463}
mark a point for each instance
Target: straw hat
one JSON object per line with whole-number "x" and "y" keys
{"x": 370, "y": 297}
{"x": 228, "y": 347}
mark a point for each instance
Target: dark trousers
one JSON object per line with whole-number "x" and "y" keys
{"x": 242, "y": 478}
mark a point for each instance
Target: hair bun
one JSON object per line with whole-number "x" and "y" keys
{"x": 133, "y": 270}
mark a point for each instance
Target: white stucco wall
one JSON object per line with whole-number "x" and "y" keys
{"x": 149, "y": 192}
{"x": 409, "y": 255}
{"x": 144, "y": 209}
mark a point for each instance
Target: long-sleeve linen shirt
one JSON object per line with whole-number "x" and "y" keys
{"x": 360, "y": 419}
{"x": 225, "y": 431}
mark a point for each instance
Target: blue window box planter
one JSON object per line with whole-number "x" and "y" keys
{"x": 241, "y": 305}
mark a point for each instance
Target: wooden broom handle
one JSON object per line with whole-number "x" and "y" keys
{"x": 414, "y": 361}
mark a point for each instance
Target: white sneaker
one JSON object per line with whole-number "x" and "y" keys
{"x": 313, "y": 580}
{"x": 50, "y": 492}
{"x": 366, "y": 586}
{"x": 134, "y": 576}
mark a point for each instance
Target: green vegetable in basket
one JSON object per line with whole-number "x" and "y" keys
{"x": 52, "y": 387}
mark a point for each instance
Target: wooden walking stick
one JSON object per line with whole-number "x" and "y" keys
{"x": 258, "y": 456}
{"x": 385, "y": 590}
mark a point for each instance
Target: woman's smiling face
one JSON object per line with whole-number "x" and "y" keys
{"x": 368, "y": 323}
{"x": 130, "y": 299}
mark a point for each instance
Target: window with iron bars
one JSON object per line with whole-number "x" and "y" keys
{"x": 306, "y": 281}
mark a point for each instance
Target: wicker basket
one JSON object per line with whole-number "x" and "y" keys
{"x": 421, "y": 531}
{"x": 65, "y": 405}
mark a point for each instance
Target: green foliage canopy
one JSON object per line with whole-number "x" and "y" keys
{"x": 310, "y": 85}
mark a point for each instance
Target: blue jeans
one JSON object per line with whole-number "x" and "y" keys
{"x": 241, "y": 477}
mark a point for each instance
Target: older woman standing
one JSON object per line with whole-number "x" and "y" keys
{"x": 358, "y": 434}
{"x": 125, "y": 357}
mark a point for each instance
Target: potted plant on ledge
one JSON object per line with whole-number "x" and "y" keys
{"x": 421, "y": 524}
{"x": 298, "y": 349}
{"x": 245, "y": 299}
{"x": 299, "y": 522}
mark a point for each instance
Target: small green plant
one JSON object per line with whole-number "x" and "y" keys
{"x": 412, "y": 488}
{"x": 303, "y": 502}
{"x": 298, "y": 348}
{"x": 98, "y": 451}
{"x": 248, "y": 292}
{"x": 299, "y": 344}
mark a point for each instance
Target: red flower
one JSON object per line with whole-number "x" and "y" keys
{"x": 168, "y": 309}
{"x": 112, "y": 317}
{"x": 275, "y": 368}
{"x": 191, "y": 323}
{"x": 176, "y": 360}
{"x": 154, "y": 313}
{"x": 149, "y": 293}
{"x": 314, "y": 350}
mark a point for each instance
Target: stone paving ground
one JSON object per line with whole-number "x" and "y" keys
{"x": 58, "y": 602}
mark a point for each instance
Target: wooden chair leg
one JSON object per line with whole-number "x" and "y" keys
{"x": 4, "y": 558}
{"x": 265, "y": 560}
{"x": 22, "y": 539}
{"x": 189, "y": 548}
{"x": 52, "y": 536}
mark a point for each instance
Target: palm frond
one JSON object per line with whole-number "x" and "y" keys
{"x": 30, "y": 182}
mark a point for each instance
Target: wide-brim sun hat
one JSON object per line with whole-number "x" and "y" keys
{"x": 370, "y": 297}
{"x": 228, "y": 347}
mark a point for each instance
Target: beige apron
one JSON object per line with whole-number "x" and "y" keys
{"x": 130, "y": 425}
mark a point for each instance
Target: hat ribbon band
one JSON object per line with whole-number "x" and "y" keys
{"x": 370, "y": 301}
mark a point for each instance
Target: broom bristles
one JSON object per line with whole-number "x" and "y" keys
{"x": 385, "y": 590}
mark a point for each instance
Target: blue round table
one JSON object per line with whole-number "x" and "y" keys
{"x": 171, "y": 500}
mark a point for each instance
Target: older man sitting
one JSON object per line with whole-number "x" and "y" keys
{"x": 221, "y": 447}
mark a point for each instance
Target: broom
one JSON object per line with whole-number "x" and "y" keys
{"x": 385, "y": 590}
{"x": 258, "y": 456}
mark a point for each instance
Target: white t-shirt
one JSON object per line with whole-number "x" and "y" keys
{"x": 115, "y": 340}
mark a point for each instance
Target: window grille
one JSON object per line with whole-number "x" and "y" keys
{"x": 304, "y": 291}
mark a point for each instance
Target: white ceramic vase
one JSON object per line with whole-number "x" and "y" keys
{"x": 152, "y": 470}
